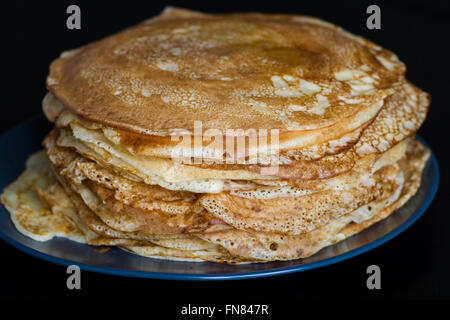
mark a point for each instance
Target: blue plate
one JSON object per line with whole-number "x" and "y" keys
{"x": 17, "y": 144}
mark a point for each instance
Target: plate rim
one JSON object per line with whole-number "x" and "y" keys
{"x": 435, "y": 177}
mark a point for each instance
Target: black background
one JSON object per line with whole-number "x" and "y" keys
{"x": 415, "y": 265}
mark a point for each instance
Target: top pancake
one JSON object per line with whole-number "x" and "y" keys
{"x": 286, "y": 72}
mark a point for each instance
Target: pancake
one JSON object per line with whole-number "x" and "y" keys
{"x": 299, "y": 213}
{"x": 230, "y": 138}
{"x": 244, "y": 246}
{"x": 258, "y": 147}
{"x": 280, "y": 72}
{"x": 403, "y": 113}
{"x": 170, "y": 174}
{"x": 44, "y": 214}
{"x": 302, "y": 205}
{"x": 258, "y": 207}
{"x": 270, "y": 246}
{"x": 32, "y": 216}
{"x": 212, "y": 179}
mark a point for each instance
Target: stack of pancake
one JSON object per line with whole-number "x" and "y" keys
{"x": 125, "y": 165}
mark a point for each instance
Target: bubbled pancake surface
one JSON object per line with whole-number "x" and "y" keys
{"x": 229, "y": 71}
{"x": 338, "y": 105}
{"x": 228, "y": 245}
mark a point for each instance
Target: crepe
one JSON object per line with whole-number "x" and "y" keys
{"x": 230, "y": 245}
{"x": 35, "y": 212}
{"x": 270, "y": 246}
{"x": 234, "y": 138}
{"x": 285, "y": 60}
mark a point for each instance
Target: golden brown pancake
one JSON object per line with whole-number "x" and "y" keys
{"x": 402, "y": 114}
{"x": 127, "y": 163}
{"x": 270, "y": 246}
{"x": 229, "y": 71}
{"x": 228, "y": 245}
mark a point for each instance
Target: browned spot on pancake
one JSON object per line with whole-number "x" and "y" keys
{"x": 101, "y": 250}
